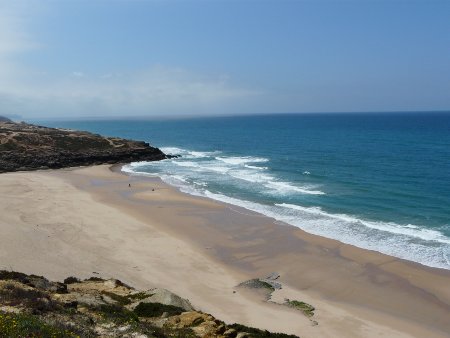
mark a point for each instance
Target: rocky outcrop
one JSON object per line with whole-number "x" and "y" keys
{"x": 267, "y": 285}
{"x": 4, "y": 119}
{"x": 29, "y": 147}
{"x": 163, "y": 296}
{"x": 32, "y": 306}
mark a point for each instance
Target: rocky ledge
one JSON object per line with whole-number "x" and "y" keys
{"x": 29, "y": 147}
{"x": 32, "y": 306}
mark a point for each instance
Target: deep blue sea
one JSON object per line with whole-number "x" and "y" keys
{"x": 377, "y": 181}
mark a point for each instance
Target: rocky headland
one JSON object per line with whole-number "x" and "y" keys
{"x": 32, "y": 306}
{"x": 25, "y": 146}
{"x": 4, "y": 119}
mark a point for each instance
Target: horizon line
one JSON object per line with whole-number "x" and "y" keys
{"x": 195, "y": 116}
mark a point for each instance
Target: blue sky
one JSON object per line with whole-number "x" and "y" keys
{"x": 169, "y": 58}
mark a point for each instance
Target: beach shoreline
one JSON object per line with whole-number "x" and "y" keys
{"x": 202, "y": 249}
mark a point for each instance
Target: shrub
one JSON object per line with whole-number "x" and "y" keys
{"x": 71, "y": 280}
{"x": 257, "y": 333}
{"x": 121, "y": 300}
{"x": 20, "y": 325}
{"x": 33, "y": 299}
{"x": 12, "y": 275}
{"x": 117, "y": 314}
{"x": 95, "y": 279}
{"x": 156, "y": 309}
{"x": 306, "y": 308}
{"x": 139, "y": 296}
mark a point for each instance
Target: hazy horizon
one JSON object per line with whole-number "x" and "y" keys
{"x": 172, "y": 59}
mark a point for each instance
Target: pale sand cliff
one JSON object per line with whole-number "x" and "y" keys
{"x": 77, "y": 222}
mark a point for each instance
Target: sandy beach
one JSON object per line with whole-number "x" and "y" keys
{"x": 90, "y": 222}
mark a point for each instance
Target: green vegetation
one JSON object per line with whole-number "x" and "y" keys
{"x": 257, "y": 333}
{"x": 138, "y": 296}
{"x": 121, "y": 300}
{"x": 22, "y": 325}
{"x": 95, "y": 279}
{"x": 71, "y": 280}
{"x": 125, "y": 300}
{"x": 39, "y": 302}
{"x": 31, "y": 147}
{"x": 257, "y": 284}
{"x": 41, "y": 308}
{"x": 79, "y": 142}
{"x": 165, "y": 332}
{"x": 267, "y": 285}
{"x": 12, "y": 275}
{"x": 306, "y": 308}
{"x": 117, "y": 314}
{"x": 156, "y": 310}
{"x": 9, "y": 146}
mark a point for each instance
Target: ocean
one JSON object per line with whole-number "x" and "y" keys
{"x": 376, "y": 181}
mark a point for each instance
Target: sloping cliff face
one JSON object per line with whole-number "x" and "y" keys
{"x": 28, "y": 147}
{"x": 4, "y": 119}
{"x": 33, "y": 306}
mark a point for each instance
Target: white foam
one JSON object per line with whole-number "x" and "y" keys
{"x": 237, "y": 160}
{"x": 132, "y": 171}
{"x": 251, "y": 176}
{"x": 188, "y": 164}
{"x": 392, "y": 243}
{"x": 286, "y": 188}
{"x": 255, "y": 167}
{"x": 188, "y": 153}
{"x": 132, "y": 168}
{"x": 222, "y": 170}
{"x": 408, "y": 230}
{"x": 429, "y": 247}
{"x": 202, "y": 154}
{"x": 128, "y": 169}
{"x": 269, "y": 182}
{"x": 201, "y": 166}
{"x": 201, "y": 184}
{"x": 132, "y": 165}
{"x": 173, "y": 150}
{"x": 180, "y": 178}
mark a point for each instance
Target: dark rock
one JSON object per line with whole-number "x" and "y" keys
{"x": 29, "y": 147}
{"x": 71, "y": 280}
{"x": 44, "y": 284}
{"x": 35, "y": 307}
{"x": 12, "y": 275}
{"x": 71, "y": 305}
{"x": 256, "y": 283}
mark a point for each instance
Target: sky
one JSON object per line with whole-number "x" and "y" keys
{"x": 99, "y": 58}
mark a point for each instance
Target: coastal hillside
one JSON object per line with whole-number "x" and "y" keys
{"x": 32, "y": 306}
{"x": 4, "y": 119}
{"x": 27, "y": 147}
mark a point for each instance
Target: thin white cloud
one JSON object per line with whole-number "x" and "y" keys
{"x": 78, "y": 74}
{"x": 157, "y": 90}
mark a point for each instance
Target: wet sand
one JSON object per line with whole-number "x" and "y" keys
{"x": 77, "y": 222}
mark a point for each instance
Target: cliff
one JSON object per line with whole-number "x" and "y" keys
{"x": 28, "y": 147}
{"x": 32, "y": 306}
{"x": 4, "y": 119}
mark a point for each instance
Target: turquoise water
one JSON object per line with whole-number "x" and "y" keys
{"x": 377, "y": 181}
